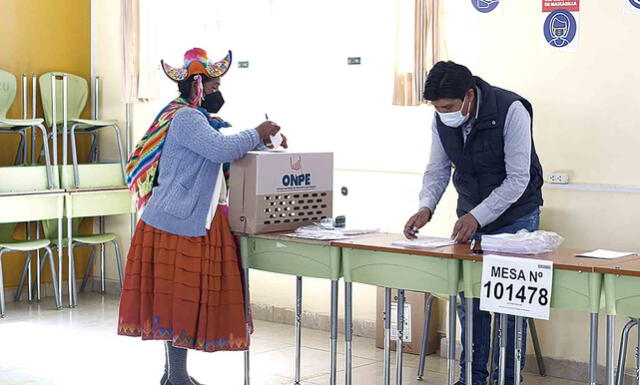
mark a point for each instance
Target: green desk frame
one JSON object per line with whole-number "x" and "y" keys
{"x": 300, "y": 258}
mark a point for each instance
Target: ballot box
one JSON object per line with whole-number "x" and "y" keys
{"x": 278, "y": 191}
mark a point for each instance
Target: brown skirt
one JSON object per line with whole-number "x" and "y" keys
{"x": 184, "y": 289}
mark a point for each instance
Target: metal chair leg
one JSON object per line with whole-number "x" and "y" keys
{"x": 387, "y": 337}
{"x": 348, "y": 331}
{"x": 23, "y": 278}
{"x": 2, "y": 306}
{"x": 54, "y": 279}
{"x": 20, "y": 150}
{"x": 74, "y": 155}
{"x": 120, "y": 150}
{"x": 536, "y": 347}
{"x": 622, "y": 353}
{"x": 425, "y": 335}
{"x": 118, "y": 261}
{"x": 85, "y": 278}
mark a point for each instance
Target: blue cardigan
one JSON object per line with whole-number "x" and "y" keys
{"x": 191, "y": 157}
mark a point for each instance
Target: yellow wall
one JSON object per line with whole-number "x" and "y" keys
{"x": 41, "y": 36}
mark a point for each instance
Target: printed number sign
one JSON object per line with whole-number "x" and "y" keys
{"x": 407, "y": 322}
{"x": 516, "y": 286}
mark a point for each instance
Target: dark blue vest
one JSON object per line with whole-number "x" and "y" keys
{"x": 479, "y": 163}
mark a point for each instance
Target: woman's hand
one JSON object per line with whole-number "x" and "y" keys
{"x": 267, "y": 129}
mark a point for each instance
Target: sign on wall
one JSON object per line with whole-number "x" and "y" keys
{"x": 561, "y": 23}
{"x": 631, "y": 6}
{"x": 516, "y": 286}
{"x": 485, "y": 6}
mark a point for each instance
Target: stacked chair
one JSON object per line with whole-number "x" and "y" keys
{"x": 45, "y": 194}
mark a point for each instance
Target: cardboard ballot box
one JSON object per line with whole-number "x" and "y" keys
{"x": 414, "y": 321}
{"x": 278, "y": 191}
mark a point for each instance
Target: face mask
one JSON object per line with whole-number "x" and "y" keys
{"x": 213, "y": 102}
{"x": 454, "y": 119}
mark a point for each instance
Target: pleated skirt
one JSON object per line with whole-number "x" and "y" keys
{"x": 184, "y": 289}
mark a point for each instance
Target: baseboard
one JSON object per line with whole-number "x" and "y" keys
{"x": 554, "y": 367}
{"x": 310, "y": 320}
{"x": 46, "y": 288}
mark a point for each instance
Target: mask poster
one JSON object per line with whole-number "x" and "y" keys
{"x": 631, "y": 6}
{"x": 561, "y": 22}
{"x": 486, "y": 6}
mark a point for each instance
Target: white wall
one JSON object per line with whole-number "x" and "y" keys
{"x": 584, "y": 112}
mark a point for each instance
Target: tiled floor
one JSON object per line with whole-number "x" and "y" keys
{"x": 41, "y": 346}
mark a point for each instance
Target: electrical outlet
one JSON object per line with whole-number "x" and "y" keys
{"x": 354, "y": 61}
{"x": 243, "y": 64}
{"x": 559, "y": 178}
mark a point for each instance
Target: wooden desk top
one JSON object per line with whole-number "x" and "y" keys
{"x": 621, "y": 266}
{"x": 384, "y": 242}
{"x": 564, "y": 259}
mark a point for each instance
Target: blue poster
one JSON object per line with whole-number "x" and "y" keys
{"x": 485, "y": 6}
{"x": 635, "y": 3}
{"x": 560, "y": 28}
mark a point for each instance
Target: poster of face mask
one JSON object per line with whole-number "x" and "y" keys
{"x": 561, "y": 24}
{"x": 486, "y": 6}
{"x": 631, "y": 6}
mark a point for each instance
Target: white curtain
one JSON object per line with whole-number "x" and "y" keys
{"x": 139, "y": 51}
{"x": 419, "y": 45}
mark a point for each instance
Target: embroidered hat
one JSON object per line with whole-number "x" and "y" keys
{"x": 197, "y": 62}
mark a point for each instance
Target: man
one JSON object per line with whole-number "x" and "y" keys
{"x": 485, "y": 133}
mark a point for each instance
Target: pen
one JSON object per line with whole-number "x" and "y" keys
{"x": 266, "y": 117}
{"x": 473, "y": 244}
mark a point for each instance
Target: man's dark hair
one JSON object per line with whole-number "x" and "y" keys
{"x": 184, "y": 87}
{"x": 448, "y": 80}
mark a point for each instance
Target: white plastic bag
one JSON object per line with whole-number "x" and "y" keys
{"x": 522, "y": 242}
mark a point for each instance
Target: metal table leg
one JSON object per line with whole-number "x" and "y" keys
{"x": 400, "y": 339}
{"x": 348, "y": 330}
{"x": 334, "y": 332}
{"x": 245, "y": 288}
{"x": 593, "y": 349}
{"x": 387, "y": 336}
{"x": 502, "y": 337}
{"x": 517, "y": 349}
{"x": 451, "y": 334}
{"x": 298, "y": 327}
{"x": 611, "y": 330}
{"x": 638, "y": 353}
{"x": 468, "y": 349}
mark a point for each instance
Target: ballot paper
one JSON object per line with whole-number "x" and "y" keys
{"x": 425, "y": 243}
{"x": 605, "y": 254}
{"x": 318, "y": 232}
{"x": 276, "y": 141}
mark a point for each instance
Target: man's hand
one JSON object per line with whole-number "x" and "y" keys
{"x": 416, "y": 222}
{"x": 465, "y": 228}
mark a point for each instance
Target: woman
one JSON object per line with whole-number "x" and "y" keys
{"x": 182, "y": 281}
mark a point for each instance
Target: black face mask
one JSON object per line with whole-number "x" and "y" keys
{"x": 213, "y": 102}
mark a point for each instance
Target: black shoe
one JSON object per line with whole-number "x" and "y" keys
{"x": 165, "y": 380}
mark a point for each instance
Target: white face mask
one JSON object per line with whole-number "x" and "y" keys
{"x": 454, "y": 119}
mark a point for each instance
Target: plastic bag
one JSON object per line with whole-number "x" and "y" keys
{"x": 522, "y": 242}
